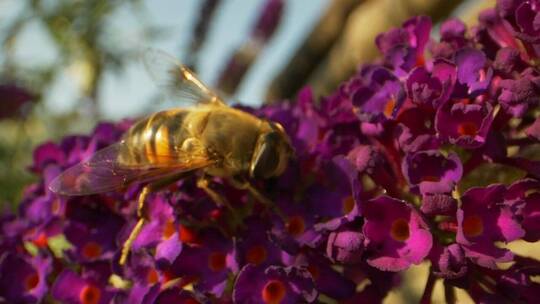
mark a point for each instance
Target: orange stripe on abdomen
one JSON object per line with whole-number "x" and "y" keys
{"x": 154, "y": 139}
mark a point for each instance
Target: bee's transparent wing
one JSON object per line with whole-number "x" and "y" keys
{"x": 177, "y": 81}
{"x": 104, "y": 171}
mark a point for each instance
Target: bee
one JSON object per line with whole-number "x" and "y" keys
{"x": 207, "y": 136}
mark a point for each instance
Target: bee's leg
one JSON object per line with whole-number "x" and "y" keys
{"x": 258, "y": 195}
{"x": 141, "y": 200}
{"x": 236, "y": 220}
{"x": 242, "y": 183}
{"x": 140, "y": 223}
{"x": 204, "y": 184}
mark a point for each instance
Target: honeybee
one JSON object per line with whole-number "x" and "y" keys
{"x": 207, "y": 137}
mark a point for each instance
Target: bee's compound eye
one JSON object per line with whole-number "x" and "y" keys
{"x": 266, "y": 158}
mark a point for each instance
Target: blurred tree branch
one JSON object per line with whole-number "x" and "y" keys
{"x": 354, "y": 45}
{"x": 200, "y": 31}
{"x": 314, "y": 49}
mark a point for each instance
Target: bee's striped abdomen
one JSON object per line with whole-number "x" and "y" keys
{"x": 155, "y": 140}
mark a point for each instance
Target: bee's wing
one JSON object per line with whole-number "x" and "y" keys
{"x": 176, "y": 80}
{"x": 103, "y": 172}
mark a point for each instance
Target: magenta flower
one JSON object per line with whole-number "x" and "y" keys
{"x": 92, "y": 232}
{"x": 473, "y": 78}
{"x": 430, "y": 172}
{"x": 24, "y": 280}
{"x": 378, "y": 94}
{"x": 274, "y": 285}
{"x": 396, "y": 236}
{"x": 466, "y": 125}
{"x": 449, "y": 261}
{"x": 404, "y": 47}
{"x": 69, "y": 287}
{"x": 484, "y": 219}
{"x": 206, "y": 265}
{"x": 161, "y": 233}
{"x": 255, "y": 247}
{"x": 524, "y": 198}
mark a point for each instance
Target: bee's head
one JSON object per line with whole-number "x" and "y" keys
{"x": 271, "y": 153}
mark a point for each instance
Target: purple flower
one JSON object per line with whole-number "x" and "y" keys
{"x": 170, "y": 296}
{"x": 403, "y": 48}
{"x": 438, "y": 204}
{"x": 483, "y": 219}
{"x": 450, "y": 261}
{"x": 524, "y": 197}
{"x": 466, "y": 125}
{"x": 508, "y": 62}
{"x": 254, "y": 246}
{"x": 433, "y": 88}
{"x": 415, "y": 131}
{"x": 527, "y": 16}
{"x": 453, "y": 38}
{"x": 274, "y": 285}
{"x": 396, "y": 235}
{"x": 520, "y": 94}
{"x": 473, "y": 78}
{"x": 47, "y": 153}
{"x": 327, "y": 280}
{"x": 379, "y": 96}
{"x": 69, "y": 287}
{"x": 345, "y": 246}
{"x": 23, "y": 279}
{"x": 430, "y": 172}
{"x": 92, "y": 231}
{"x": 533, "y": 130}
{"x": 295, "y": 230}
{"x": 161, "y": 233}
{"x": 207, "y": 265}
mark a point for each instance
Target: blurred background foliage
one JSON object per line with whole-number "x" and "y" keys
{"x": 66, "y": 64}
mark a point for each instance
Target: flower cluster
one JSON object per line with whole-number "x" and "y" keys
{"x": 389, "y": 173}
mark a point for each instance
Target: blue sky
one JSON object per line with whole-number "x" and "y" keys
{"x": 128, "y": 93}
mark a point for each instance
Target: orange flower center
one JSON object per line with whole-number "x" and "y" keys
{"x": 420, "y": 60}
{"x": 31, "y": 281}
{"x": 389, "y": 107}
{"x": 217, "y": 261}
{"x": 91, "y": 250}
{"x": 55, "y": 206}
{"x": 430, "y": 178}
{"x": 256, "y": 254}
{"x": 467, "y": 128}
{"x": 273, "y": 292}
{"x": 90, "y": 295}
{"x": 347, "y": 204}
{"x": 41, "y": 240}
{"x": 187, "y": 235}
{"x": 168, "y": 276}
{"x": 314, "y": 270}
{"x": 295, "y": 225}
{"x": 169, "y": 229}
{"x": 400, "y": 230}
{"x": 152, "y": 276}
{"x": 473, "y": 226}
